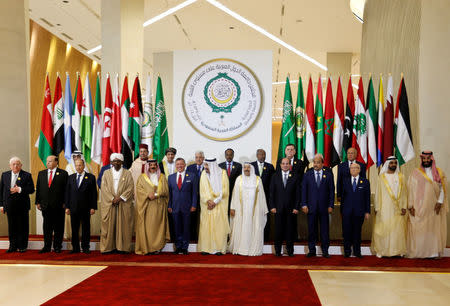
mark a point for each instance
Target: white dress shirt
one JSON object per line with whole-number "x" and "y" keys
{"x": 53, "y": 171}
{"x": 116, "y": 180}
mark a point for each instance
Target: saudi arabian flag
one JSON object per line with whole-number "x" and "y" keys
{"x": 319, "y": 119}
{"x": 300, "y": 120}
{"x": 86, "y": 121}
{"x": 287, "y": 135}
{"x": 161, "y": 137}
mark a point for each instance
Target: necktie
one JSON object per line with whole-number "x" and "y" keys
{"x": 14, "y": 180}
{"x": 143, "y": 168}
{"x": 260, "y": 168}
{"x": 229, "y": 169}
{"x": 50, "y": 178}
{"x": 354, "y": 184}
{"x": 199, "y": 170}
{"x": 78, "y": 180}
{"x": 290, "y": 168}
{"x": 179, "y": 181}
{"x": 285, "y": 179}
{"x": 318, "y": 179}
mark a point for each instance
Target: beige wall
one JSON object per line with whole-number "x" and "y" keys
{"x": 413, "y": 37}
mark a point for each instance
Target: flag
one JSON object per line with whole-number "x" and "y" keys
{"x": 338, "y": 124}
{"x": 107, "y": 120}
{"x": 319, "y": 118}
{"x": 360, "y": 124}
{"x": 96, "y": 150}
{"x": 371, "y": 116}
{"x": 348, "y": 124}
{"x": 380, "y": 126}
{"x": 300, "y": 120}
{"x": 310, "y": 147}
{"x": 68, "y": 130}
{"x": 161, "y": 136}
{"x": 86, "y": 121}
{"x": 45, "y": 146}
{"x": 134, "y": 124}
{"x": 328, "y": 125}
{"x": 58, "y": 118}
{"x": 288, "y": 133}
{"x": 388, "y": 137}
{"x": 147, "y": 117}
{"x": 404, "y": 150}
{"x": 115, "y": 142}
{"x": 76, "y": 115}
{"x": 125, "y": 115}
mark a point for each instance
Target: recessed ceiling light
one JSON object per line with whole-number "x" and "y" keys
{"x": 299, "y": 20}
{"x": 231, "y": 28}
{"x": 65, "y": 1}
{"x": 58, "y": 24}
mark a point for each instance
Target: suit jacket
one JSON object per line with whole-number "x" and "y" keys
{"x": 357, "y": 202}
{"x": 344, "y": 173}
{"x": 285, "y": 198}
{"x": 236, "y": 170}
{"x": 298, "y": 167}
{"x": 318, "y": 199}
{"x": 193, "y": 168}
{"x": 186, "y": 197}
{"x": 100, "y": 175}
{"x": 53, "y": 196}
{"x": 266, "y": 176}
{"x": 16, "y": 201}
{"x": 83, "y": 198}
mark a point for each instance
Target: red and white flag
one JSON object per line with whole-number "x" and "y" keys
{"x": 107, "y": 120}
{"x": 115, "y": 143}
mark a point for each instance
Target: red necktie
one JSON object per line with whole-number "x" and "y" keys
{"x": 290, "y": 168}
{"x": 229, "y": 169}
{"x": 179, "y": 181}
{"x": 143, "y": 168}
{"x": 50, "y": 178}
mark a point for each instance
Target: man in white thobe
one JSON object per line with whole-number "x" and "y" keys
{"x": 248, "y": 214}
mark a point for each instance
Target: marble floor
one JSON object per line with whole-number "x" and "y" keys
{"x": 381, "y": 288}
{"x": 35, "y": 284}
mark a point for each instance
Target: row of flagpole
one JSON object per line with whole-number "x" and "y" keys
{"x": 76, "y": 125}
{"x": 369, "y": 125}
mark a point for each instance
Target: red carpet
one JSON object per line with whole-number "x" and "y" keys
{"x": 300, "y": 261}
{"x": 145, "y": 285}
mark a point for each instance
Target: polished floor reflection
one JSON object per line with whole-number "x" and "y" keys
{"x": 35, "y": 284}
{"x": 381, "y": 288}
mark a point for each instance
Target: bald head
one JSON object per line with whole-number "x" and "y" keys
{"x": 351, "y": 154}
{"x": 355, "y": 168}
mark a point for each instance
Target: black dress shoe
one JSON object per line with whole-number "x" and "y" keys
{"x": 278, "y": 254}
{"x": 205, "y": 253}
{"x": 291, "y": 254}
{"x": 58, "y": 250}
{"x": 346, "y": 255}
{"x": 218, "y": 254}
{"x": 44, "y": 250}
{"x": 326, "y": 255}
{"x": 74, "y": 252}
{"x": 184, "y": 252}
{"x": 359, "y": 255}
{"x": 11, "y": 250}
{"x": 177, "y": 251}
{"x": 311, "y": 254}
{"x": 22, "y": 250}
{"x": 86, "y": 251}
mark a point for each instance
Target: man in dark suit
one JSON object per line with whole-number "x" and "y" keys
{"x": 317, "y": 204}
{"x": 284, "y": 203}
{"x": 343, "y": 172}
{"x": 264, "y": 171}
{"x": 50, "y": 189}
{"x": 296, "y": 165}
{"x": 183, "y": 195}
{"x": 81, "y": 203}
{"x": 355, "y": 207}
{"x": 196, "y": 168}
{"x": 15, "y": 189}
{"x": 233, "y": 169}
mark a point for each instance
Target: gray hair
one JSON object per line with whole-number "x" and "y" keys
{"x": 15, "y": 158}
{"x": 319, "y": 156}
{"x": 200, "y": 152}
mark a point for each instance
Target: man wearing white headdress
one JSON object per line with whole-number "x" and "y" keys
{"x": 70, "y": 169}
{"x": 214, "y": 226}
{"x": 389, "y": 232}
{"x": 116, "y": 206}
{"x": 152, "y": 197}
{"x": 248, "y": 214}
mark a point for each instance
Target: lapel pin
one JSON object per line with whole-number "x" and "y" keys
{"x": 324, "y": 176}
{"x": 187, "y": 174}
{"x": 19, "y": 178}
{"x": 264, "y": 168}
{"x": 360, "y": 182}
{"x": 295, "y": 162}
{"x": 57, "y": 173}
{"x": 290, "y": 175}
{"x": 85, "y": 177}
{"x": 233, "y": 167}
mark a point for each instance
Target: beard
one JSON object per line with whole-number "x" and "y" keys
{"x": 426, "y": 164}
{"x": 393, "y": 168}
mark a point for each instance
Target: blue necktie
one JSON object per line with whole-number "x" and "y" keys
{"x": 199, "y": 170}
{"x": 78, "y": 180}
{"x": 354, "y": 184}
{"x": 318, "y": 179}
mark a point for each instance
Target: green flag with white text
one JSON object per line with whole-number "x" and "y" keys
{"x": 288, "y": 133}
{"x": 300, "y": 120}
{"x": 161, "y": 136}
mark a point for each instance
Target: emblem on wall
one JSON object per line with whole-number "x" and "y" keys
{"x": 222, "y": 99}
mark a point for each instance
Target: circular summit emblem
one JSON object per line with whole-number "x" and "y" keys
{"x": 222, "y": 99}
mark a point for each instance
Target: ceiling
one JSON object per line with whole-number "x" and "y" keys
{"x": 314, "y": 27}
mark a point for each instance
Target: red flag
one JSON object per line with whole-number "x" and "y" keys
{"x": 116, "y": 118}
{"x": 388, "y": 137}
{"x": 328, "y": 125}
{"x": 106, "y": 150}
